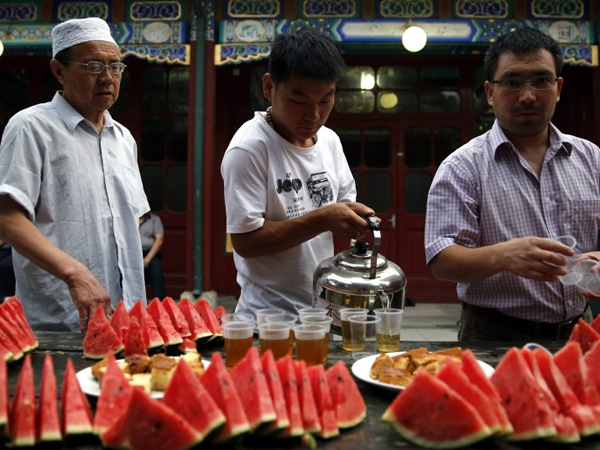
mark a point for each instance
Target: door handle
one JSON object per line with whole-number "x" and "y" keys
{"x": 393, "y": 220}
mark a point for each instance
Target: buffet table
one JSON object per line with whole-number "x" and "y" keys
{"x": 372, "y": 433}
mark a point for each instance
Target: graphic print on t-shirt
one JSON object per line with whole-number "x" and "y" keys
{"x": 319, "y": 191}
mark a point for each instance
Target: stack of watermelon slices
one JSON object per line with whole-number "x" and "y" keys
{"x": 531, "y": 395}
{"x": 16, "y": 336}
{"x": 161, "y": 326}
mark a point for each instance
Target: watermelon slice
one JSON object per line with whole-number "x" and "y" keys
{"x": 23, "y": 413}
{"x": 219, "y": 384}
{"x": 584, "y": 417}
{"x": 269, "y": 368}
{"x": 522, "y": 398}
{"x": 585, "y": 335}
{"x": 569, "y": 361}
{"x": 596, "y": 324}
{"x": 187, "y": 346}
{"x": 209, "y": 318}
{"x": 287, "y": 374}
{"x": 6, "y": 342}
{"x": 451, "y": 374}
{"x": 134, "y": 339}
{"x": 349, "y": 403}
{"x": 115, "y": 393}
{"x": 14, "y": 332}
{"x": 476, "y": 375}
{"x": 253, "y": 389}
{"x": 430, "y": 414}
{"x": 152, "y": 337}
{"x": 177, "y": 318}
{"x": 120, "y": 320}
{"x": 5, "y": 354}
{"x": 199, "y": 330}
{"x": 100, "y": 338}
{"x": 325, "y": 406}
{"x": 48, "y": 420}
{"x": 14, "y": 305}
{"x": 149, "y": 424}
{"x": 75, "y": 409}
{"x": 163, "y": 323}
{"x": 186, "y": 395}
{"x": 219, "y": 312}
{"x": 310, "y": 416}
{"x": 4, "y": 401}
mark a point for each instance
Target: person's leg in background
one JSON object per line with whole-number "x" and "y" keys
{"x": 155, "y": 277}
{"x": 7, "y": 274}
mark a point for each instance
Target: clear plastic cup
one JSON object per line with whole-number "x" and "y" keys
{"x": 321, "y": 320}
{"x": 309, "y": 342}
{"x": 311, "y": 311}
{"x": 388, "y": 330}
{"x": 238, "y": 340}
{"x": 363, "y": 330}
{"x": 572, "y": 277}
{"x": 262, "y": 313}
{"x": 237, "y": 317}
{"x": 586, "y": 268}
{"x": 276, "y": 337}
{"x": 345, "y": 314}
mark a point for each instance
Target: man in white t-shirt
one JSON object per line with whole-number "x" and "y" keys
{"x": 288, "y": 186}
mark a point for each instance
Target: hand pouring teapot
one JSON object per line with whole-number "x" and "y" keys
{"x": 358, "y": 278}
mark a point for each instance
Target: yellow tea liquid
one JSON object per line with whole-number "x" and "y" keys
{"x": 279, "y": 347}
{"x": 310, "y": 351}
{"x": 235, "y": 350}
{"x": 388, "y": 342}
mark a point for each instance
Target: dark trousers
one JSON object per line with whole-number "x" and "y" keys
{"x": 487, "y": 324}
{"x": 154, "y": 277}
{"x": 7, "y": 274}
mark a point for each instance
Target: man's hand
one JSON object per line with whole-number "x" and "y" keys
{"x": 343, "y": 220}
{"x": 87, "y": 294}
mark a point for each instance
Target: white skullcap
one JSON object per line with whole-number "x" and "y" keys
{"x": 76, "y": 31}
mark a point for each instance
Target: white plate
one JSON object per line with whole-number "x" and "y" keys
{"x": 362, "y": 370}
{"x": 89, "y": 385}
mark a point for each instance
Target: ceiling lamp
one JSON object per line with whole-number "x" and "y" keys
{"x": 1, "y": 48}
{"x": 414, "y": 38}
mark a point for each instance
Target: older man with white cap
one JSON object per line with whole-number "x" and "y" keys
{"x": 70, "y": 189}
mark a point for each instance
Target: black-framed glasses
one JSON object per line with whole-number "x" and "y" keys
{"x": 98, "y": 67}
{"x": 541, "y": 83}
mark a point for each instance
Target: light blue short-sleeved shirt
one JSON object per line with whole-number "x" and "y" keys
{"x": 84, "y": 192}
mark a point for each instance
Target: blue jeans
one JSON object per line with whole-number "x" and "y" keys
{"x": 154, "y": 277}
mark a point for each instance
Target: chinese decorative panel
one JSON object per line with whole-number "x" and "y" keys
{"x": 388, "y": 9}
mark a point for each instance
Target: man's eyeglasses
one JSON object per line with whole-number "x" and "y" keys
{"x": 541, "y": 83}
{"x": 98, "y": 67}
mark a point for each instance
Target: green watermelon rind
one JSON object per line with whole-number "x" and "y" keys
{"x": 389, "y": 419}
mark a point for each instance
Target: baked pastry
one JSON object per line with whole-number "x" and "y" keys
{"x": 161, "y": 369}
{"x": 395, "y": 376}
{"x": 384, "y": 360}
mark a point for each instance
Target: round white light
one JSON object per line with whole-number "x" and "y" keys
{"x": 1, "y": 48}
{"x": 414, "y": 39}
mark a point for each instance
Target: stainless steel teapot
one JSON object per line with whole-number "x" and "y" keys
{"x": 358, "y": 278}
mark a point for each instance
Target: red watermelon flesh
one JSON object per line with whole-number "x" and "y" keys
{"x": 198, "y": 328}
{"x": 476, "y": 375}
{"x": 569, "y": 360}
{"x": 522, "y": 398}
{"x": 22, "y": 421}
{"x": 451, "y": 374}
{"x": 252, "y": 387}
{"x": 4, "y": 400}
{"x": 115, "y": 393}
{"x": 5, "y": 354}
{"x": 48, "y": 420}
{"x": 596, "y": 324}
{"x": 209, "y": 318}
{"x": 14, "y": 333}
{"x": 323, "y": 401}
{"x": 592, "y": 361}
{"x": 120, "y": 320}
{"x": 14, "y": 305}
{"x": 585, "y": 335}
{"x": 539, "y": 378}
{"x": 134, "y": 339}
{"x": 287, "y": 374}
{"x": 310, "y": 416}
{"x": 269, "y": 368}
{"x": 219, "y": 384}
{"x": 76, "y": 415}
{"x": 163, "y": 323}
{"x": 178, "y": 319}
{"x": 219, "y": 311}
{"x": 187, "y": 395}
{"x": 349, "y": 403}
{"x": 566, "y": 430}
{"x": 431, "y": 414}
{"x": 569, "y": 404}
{"x": 188, "y": 346}
{"x": 149, "y": 424}
{"x": 100, "y": 338}
{"x": 152, "y": 337}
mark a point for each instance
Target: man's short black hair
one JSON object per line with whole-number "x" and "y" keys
{"x": 523, "y": 40}
{"x": 306, "y": 53}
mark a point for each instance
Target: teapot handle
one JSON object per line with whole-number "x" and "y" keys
{"x": 375, "y": 227}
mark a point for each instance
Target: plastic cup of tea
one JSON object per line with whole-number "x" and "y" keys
{"x": 261, "y": 314}
{"x": 287, "y": 318}
{"x": 363, "y": 331}
{"x": 309, "y": 342}
{"x": 237, "y": 317}
{"x": 238, "y": 340}
{"x": 311, "y": 311}
{"x": 388, "y": 330}
{"x": 322, "y": 320}
{"x": 345, "y": 314}
{"x": 275, "y": 336}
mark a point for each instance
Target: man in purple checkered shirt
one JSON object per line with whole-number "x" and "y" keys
{"x": 497, "y": 203}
